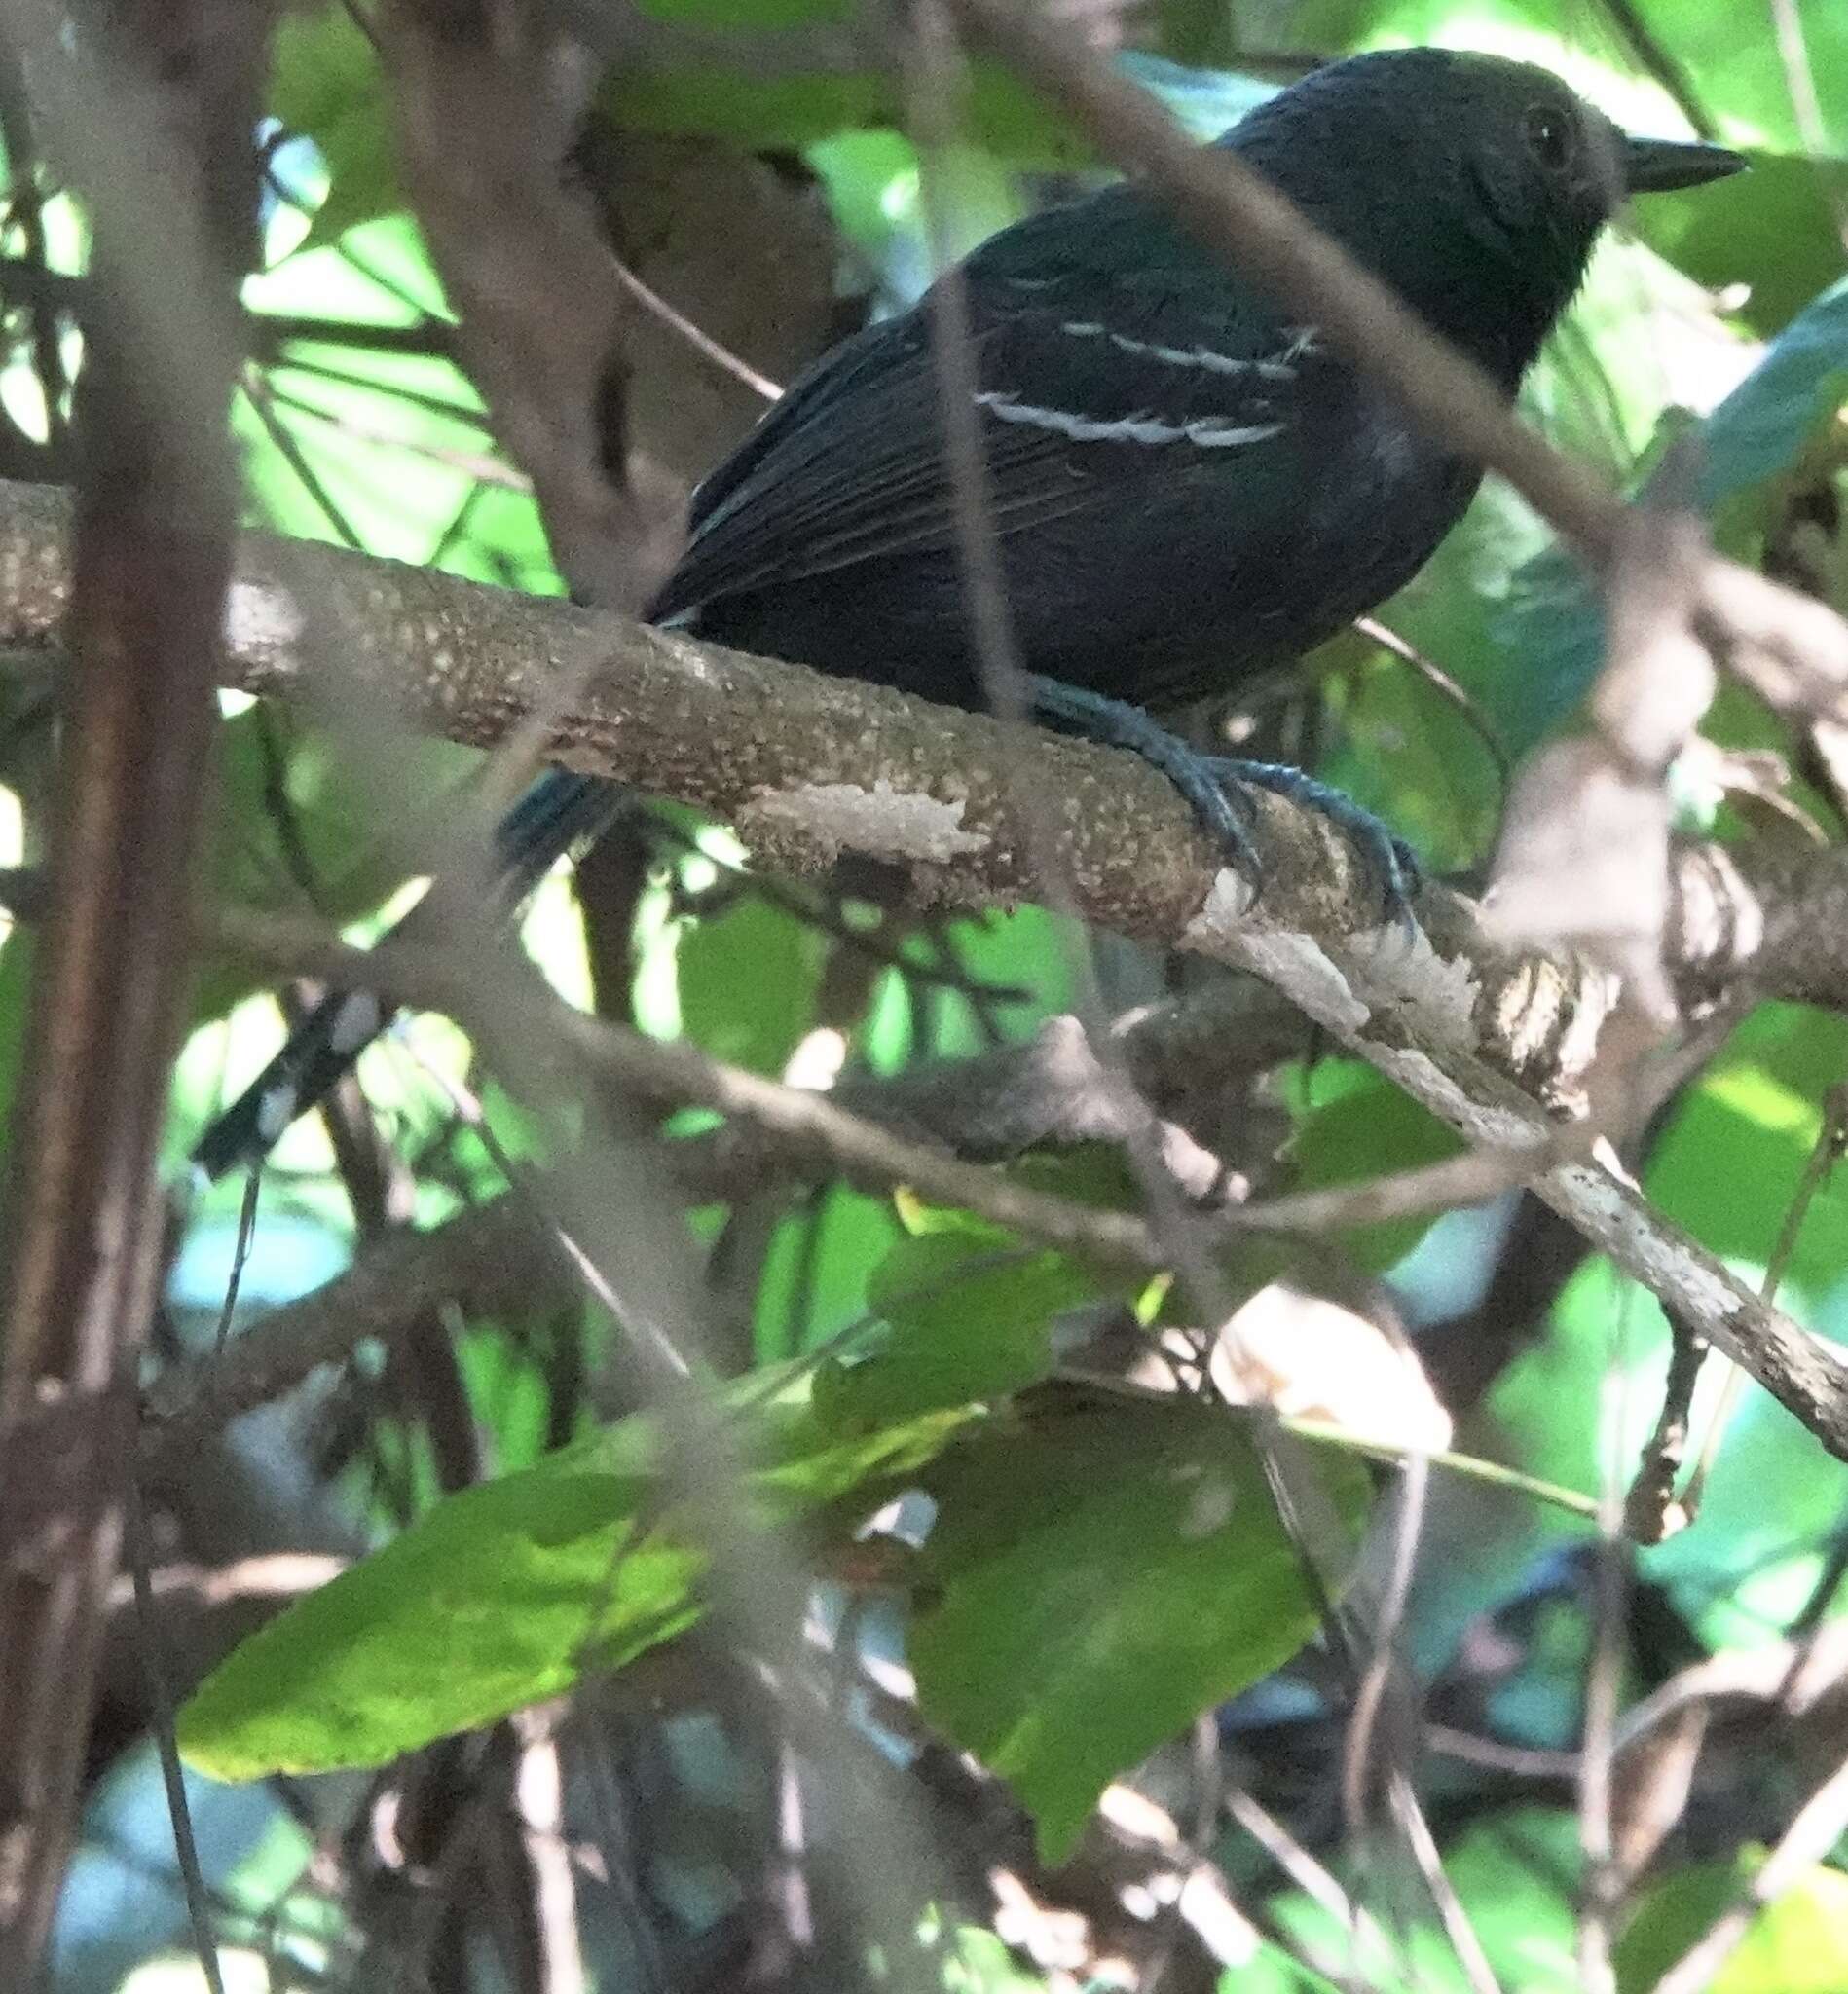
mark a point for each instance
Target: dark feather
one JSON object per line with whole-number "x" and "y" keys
{"x": 1185, "y": 487}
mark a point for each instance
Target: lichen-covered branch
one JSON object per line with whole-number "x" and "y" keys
{"x": 1494, "y": 1042}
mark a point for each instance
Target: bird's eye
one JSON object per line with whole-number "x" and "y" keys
{"x": 1549, "y": 137}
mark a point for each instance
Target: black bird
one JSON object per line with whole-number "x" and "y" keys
{"x": 1188, "y": 486}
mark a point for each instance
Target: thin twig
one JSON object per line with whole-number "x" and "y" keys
{"x": 1650, "y": 1512}
{"x": 161, "y": 1703}
{"x": 1832, "y": 1143}
{"x": 1604, "y": 1688}
{"x": 696, "y": 336}
{"x": 1805, "y": 105}
{"x": 1819, "y": 1825}
{"x": 1458, "y": 1928}
{"x": 1459, "y": 696}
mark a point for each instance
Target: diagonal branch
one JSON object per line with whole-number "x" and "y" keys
{"x": 1492, "y": 1041}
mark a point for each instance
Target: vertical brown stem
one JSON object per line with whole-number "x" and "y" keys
{"x": 151, "y": 114}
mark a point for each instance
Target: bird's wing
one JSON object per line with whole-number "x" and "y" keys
{"x": 1088, "y": 381}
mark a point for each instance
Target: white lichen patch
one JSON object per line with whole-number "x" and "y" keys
{"x": 883, "y": 822}
{"x": 1301, "y": 968}
{"x": 689, "y": 656}
{"x": 1222, "y": 916}
{"x": 1522, "y": 1025}
{"x": 1715, "y": 898}
{"x": 1210, "y": 1503}
{"x": 262, "y": 618}
{"x": 1396, "y": 967}
{"x": 1589, "y": 1003}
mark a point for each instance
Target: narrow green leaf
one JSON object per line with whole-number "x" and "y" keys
{"x": 1772, "y": 229}
{"x": 502, "y": 1594}
{"x": 485, "y": 1605}
{"x": 16, "y": 997}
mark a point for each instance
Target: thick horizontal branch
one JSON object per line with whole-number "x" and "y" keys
{"x": 809, "y": 766}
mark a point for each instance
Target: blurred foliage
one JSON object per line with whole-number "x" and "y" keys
{"x": 589, "y": 1558}
{"x": 1796, "y": 1943}
{"x": 1103, "y": 1570}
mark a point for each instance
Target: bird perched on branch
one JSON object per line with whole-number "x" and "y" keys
{"x": 1187, "y": 486}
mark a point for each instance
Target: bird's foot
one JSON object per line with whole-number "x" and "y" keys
{"x": 1218, "y": 788}
{"x": 1390, "y": 857}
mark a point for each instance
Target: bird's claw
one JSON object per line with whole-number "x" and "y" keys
{"x": 1218, "y": 788}
{"x": 1392, "y": 860}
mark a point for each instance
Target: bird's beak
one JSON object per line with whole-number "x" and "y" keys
{"x": 1655, "y": 165}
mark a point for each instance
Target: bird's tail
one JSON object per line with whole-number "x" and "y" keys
{"x": 559, "y": 811}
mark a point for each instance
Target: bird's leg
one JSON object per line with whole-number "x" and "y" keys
{"x": 1396, "y": 862}
{"x": 1115, "y": 723}
{"x": 1217, "y": 787}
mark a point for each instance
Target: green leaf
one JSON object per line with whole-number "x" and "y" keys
{"x": 1796, "y": 1944}
{"x": 587, "y": 1559}
{"x": 1098, "y": 1174}
{"x": 508, "y": 1584}
{"x": 16, "y": 998}
{"x": 1370, "y": 1130}
{"x": 754, "y": 112}
{"x": 1766, "y": 423}
{"x": 390, "y": 440}
{"x": 328, "y": 87}
{"x": 1004, "y": 116}
{"x": 1728, "y": 53}
{"x": 1414, "y": 757}
{"x": 1772, "y": 229}
{"x": 965, "y": 1318}
{"x": 747, "y": 983}
{"x": 1108, "y": 1573}
{"x": 1739, "y": 72}
{"x": 764, "y": 112}
{"x": 814, "y": 1277}
{"x": 1552, "y": 620}
{"x": 820, "y": 1465}
{"x": 331, "y": 830}
{"x": 1515, "y": 1874}
{"x": 1760, "y": 1107}
{"x": 748, "y": 15}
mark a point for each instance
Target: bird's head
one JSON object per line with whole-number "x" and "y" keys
{"x": 1476, "y": 186}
